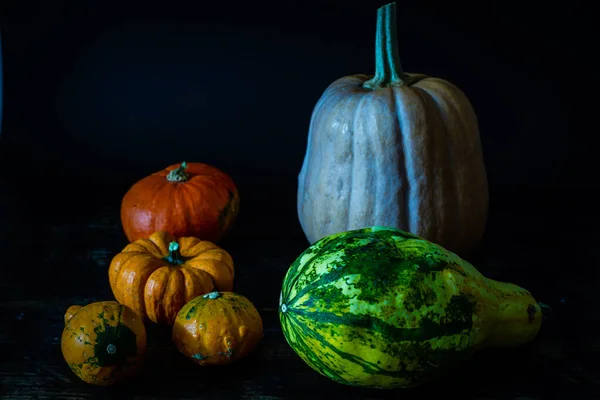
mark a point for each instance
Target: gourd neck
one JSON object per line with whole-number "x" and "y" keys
{"x": 174, "y": 257}
{"x": 179, "y": 174}
{"x": 388, "y": 71}
{"x": 518, "y": 316}
{"x": 71, "y": 312}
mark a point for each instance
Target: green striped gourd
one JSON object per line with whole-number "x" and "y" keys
{"x": 380, "y": 307}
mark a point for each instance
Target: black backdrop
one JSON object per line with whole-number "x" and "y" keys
{"x": 100, "y": 93}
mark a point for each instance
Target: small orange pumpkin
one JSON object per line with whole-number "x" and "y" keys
{"x": 158, "y": 275}
{"x": 103, "y": 342}
{"x": 190, "y": 199}
{"x": 217, "y": 328}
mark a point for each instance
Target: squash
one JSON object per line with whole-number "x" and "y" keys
{"x": 396, "y": 149}
{"x": 103, "y": 342}
{"x": 190, "y": 199}
{"x": 158, "y": 275}
{"x": 217, "y": 328}
{"x": 383, "y": 308}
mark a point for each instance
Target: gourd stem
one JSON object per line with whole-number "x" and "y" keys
{"x": 174, "y": 256}
{"x": 388, "y": 71}
{"x": 546, "y": 310}
{"x": 179, "y": 174}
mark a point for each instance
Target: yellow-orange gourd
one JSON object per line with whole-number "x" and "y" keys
{"x": 103, "y": 342}
{"x": 217, "y": 328}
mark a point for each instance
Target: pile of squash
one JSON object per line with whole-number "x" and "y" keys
{"x": 170, "y": 273}
{"x": 391, "y": 194}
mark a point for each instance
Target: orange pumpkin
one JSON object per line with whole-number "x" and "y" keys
{"x": 103, "y": 342}
{"x": 217, "y": 328}
{"x": 158, "y": 275}
{"x": 189, "y": 199}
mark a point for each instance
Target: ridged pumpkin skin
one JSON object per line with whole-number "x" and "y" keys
{"x": 217, "y": 328}
{"x": 103, "y": 342}
{"x": 158, "y": 275}
{"x": 403, "y": 152}
{"x": 379, "y": 307}
{"x": 187, "y": 199}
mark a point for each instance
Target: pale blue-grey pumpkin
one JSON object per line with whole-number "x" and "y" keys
{"x": 396, "y": 149}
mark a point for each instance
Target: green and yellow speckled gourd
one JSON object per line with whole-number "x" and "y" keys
{"x": 394, "y": 149}
{"x": 380, "y": 307}
{"x": 103, "y": 342}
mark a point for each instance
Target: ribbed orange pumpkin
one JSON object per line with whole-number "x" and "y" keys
{"x": 394, "y": 149}
{"x": 187, "y": 199}
{"x": 158, "y": 275}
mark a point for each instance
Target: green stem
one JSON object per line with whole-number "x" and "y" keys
{"x": 388, "y": 71}
{"x": 212, "y": 295}
{"x": 174, "y": 256}
{"x": 179, "y": 174}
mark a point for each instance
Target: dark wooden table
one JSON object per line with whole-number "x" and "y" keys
{"x": 56, "y": 250}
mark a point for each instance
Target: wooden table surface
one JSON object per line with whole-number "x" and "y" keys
{"x": 55, "y": 253}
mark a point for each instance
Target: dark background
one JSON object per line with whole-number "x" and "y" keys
{"x": 98, "y": 94}
{"x": 101, "y": 93}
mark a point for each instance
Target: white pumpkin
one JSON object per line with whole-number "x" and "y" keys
{"x": 398, "y": 150}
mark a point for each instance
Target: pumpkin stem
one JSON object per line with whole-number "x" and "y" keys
{"x": 174, "y": 256}
{"x": 388, "y": 71}
{"x": 211, "y": 295}
{"x": 179, "y": 174}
